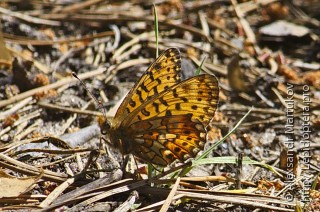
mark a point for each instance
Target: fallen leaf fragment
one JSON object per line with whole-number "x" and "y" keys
{"x": 284, "y": 28}
{"x": 12, "y": 186}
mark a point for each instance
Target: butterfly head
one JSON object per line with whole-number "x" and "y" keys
{"x": 105, "y": 128}
{"x": 114, "y": 137}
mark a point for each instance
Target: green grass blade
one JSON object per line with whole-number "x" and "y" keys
{"x": 156, "y": 29}
{"x": 233, "y": 160}
{"x": 206, "y": 153}
{"x": 200, "y": 67}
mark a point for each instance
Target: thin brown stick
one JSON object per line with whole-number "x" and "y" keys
{"x": 65, "y": 81}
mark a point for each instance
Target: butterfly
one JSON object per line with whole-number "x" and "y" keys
{"x": 162, "y": 118}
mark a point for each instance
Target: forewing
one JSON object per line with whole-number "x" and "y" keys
{"x": 162, "y": 74}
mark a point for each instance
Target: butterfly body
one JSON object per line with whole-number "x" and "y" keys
{"x": 162, "y": 118}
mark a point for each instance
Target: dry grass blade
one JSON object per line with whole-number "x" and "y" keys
{"x": 102, "y": 195}
{"x": 56, "y": 193}
{"x": 251, "y": 202}
{"x": 84, "y": 191}
{"x": 29, "y": 18}
{"x": 199, "y": 197}
{"x": 24, "y": 168}
{"x": 157, "y": 205}
{"x": 128, "y": 204}
{"x": 168, "y": 201}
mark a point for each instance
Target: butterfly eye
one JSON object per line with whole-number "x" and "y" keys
{"x": 105, "y": 129}
{"x": 104, "y": 125}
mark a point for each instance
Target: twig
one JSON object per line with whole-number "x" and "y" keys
{"x": 249, "y": 32}
{"x": 15, "y": 108}
{"x": 27, "y": 41}
{"x": 29, "y": 18}
{"x": 57, "y": 84}
{"x": 77, "y": 6}
{"x": 68, "y": 109}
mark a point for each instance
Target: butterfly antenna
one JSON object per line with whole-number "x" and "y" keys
{"x": 98, "y": 103}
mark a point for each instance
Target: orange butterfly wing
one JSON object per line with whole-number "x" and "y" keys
{"x": 162, "y": 74}
{"x": 163, "y": 119}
